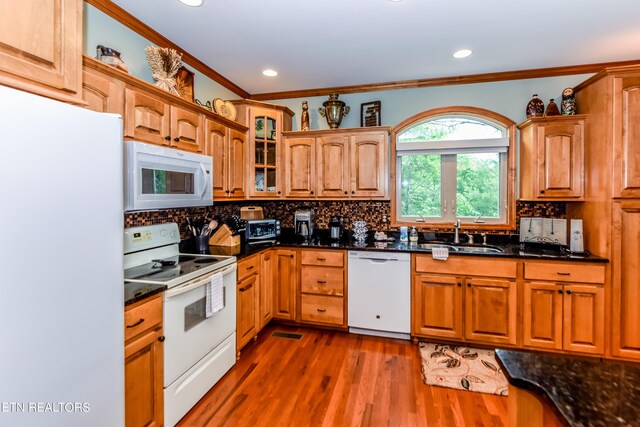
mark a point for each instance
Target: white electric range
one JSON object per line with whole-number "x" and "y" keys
{"x": 198, "y": 350}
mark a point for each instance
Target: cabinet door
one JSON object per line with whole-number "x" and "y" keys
{"x": 143, "y": 377}
{"x": 542, "y": 315}
{"x": 247, "y": 311}
{"x": 333, "y": 166}
{"x": 560, "y": 157}
{"x": 490, "y": 310}
{"x": 217, "y": 146}
{"x": 584, "y": 318}
{"x": 41, "y": 46}
{"x": 186, "y": 130}
{"x": 265, "y": 309}
{"x": 369, "y": 165}
{"x": 626, "y": 134}
{"x": 146, "y": 118}
{"x": 237, "y": 164}
{"x": 300, "y": 167}
{"x": 265, "y": 133}
{"x": 285, "y": 285}
{"x": 104, "y": 94}
{"x": 625, "y": 257}
{"x": 437, "y": 306}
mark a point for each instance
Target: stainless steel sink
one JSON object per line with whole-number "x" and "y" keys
{"x": 432, "y": 245}
{"x": 479, "y": 249}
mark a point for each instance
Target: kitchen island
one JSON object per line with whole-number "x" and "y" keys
{"x": 578, "y": 391}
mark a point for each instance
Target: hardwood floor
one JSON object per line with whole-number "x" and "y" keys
{"x": 337, "y": 379}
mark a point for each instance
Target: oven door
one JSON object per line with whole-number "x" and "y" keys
{"x": 189, "y": 334}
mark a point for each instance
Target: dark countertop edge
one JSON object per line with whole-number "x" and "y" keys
{"x": 144, "y": 295}
{"x": 533, "y": 387}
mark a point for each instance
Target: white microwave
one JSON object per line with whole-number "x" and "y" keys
{"x": 159, "y": 178}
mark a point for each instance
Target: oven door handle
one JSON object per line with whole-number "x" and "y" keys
{"x": 169, "y": 293}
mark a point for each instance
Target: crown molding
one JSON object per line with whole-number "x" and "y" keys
{"x": 133, "y": 23}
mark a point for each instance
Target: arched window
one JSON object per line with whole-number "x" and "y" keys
{"x": 454, "y": 163}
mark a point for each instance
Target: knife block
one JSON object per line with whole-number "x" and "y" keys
{"x": 224, "y": 237}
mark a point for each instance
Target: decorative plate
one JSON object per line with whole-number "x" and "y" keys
{"x": 225, "y": 108}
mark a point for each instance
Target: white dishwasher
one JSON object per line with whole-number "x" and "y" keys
{"x": 380, "y": 294}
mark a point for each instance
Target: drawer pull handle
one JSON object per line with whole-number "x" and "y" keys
{"x": 563, "y": 274}
{"x": 135, "y": 324}
{"x": 322, "y": 310}
{"x": 322, "y": 282}
{"x": 246, "y": 288}
{"x": 321, "y": 259}
{"x": 250, "y": 268}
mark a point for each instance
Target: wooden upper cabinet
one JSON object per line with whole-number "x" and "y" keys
{"x": 41, "y": 47}
{"x": 369, "y": 154}
{"x": 332, "y": 153}
{"x": 626, "y": 134}
{"x": 186, "y": 130}
{"x": 217, "y": 146}
{"x": 437, "y": 306}
{"x": 102, "y": 93}
{"x": 490, "y": 310}
{"x": 146, "y": 118}
{"x": 625, "y": 322}
{"x": 552, "y": 158}
{"x": 300, "y": 166}
{"x": 237, "y": 163}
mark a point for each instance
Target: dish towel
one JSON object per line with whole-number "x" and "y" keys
{"x": 214, "y": 295}
{"x": 440, "y": 253}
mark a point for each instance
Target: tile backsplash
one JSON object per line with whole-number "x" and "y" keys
{"x": 373, "y": 212}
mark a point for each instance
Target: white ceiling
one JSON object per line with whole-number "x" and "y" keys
{"x": 318, "y": 44}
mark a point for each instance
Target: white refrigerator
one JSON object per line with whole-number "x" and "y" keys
{"x": 61, "y": 272}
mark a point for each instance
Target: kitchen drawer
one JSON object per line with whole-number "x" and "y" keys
{"x": 322, "y": 280}
{"x": 564, "y": 272}
{"x": 322, "y": 309}
{"x": 331, "y": 258}
{"x": 467, "y": 266}
{"x": 248, "y": 266}
{"x": 142, "y": 317}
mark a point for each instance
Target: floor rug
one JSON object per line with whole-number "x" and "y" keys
{"x": 462, "y": 368}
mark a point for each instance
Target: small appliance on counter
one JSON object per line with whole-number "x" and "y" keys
{"x": 335, "y": 228}
{"x": 543, "y": 230}
{"x": 304, "y": 222}
{"x": 261, "y": 231}
{"x": 576, "y": 242}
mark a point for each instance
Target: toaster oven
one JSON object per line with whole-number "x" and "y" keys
{"x": 262, "y": 231}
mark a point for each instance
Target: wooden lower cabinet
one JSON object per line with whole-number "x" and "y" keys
{"x": 247, "y": 300}
{"x": 625, "y": 321}
{"x": 143, "y": 365}
{"x": 323, "y": 287}
{"x": 491, "y": 310}
{"x": 437, "y": 306}
{"x": 265, "y": 307}
{"x": 285, "y": 284}
{"x": 562, "y": 314}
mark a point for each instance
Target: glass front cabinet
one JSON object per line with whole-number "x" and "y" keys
{"x": 266, "y": 123}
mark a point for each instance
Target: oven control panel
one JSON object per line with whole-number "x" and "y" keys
{"x": 150, "y": 236}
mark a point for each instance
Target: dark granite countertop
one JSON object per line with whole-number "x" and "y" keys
{"x": 583, "y": 392}
{"x": 134, "y": 292}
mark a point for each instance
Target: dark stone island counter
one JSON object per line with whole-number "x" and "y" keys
{"x": 580, "y": 391}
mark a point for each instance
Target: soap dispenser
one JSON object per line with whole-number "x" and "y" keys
{"x": 413, "y": 236}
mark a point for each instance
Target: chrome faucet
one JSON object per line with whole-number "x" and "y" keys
{"x": 469, "y": 238}
{"x": 456, "y": 226}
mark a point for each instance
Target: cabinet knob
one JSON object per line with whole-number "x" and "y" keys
{"x": 312, "y": 192}
{"x": 353, "y": 192}
{"x": 377, "y": 316}
{"x": 560, "y": 291}
{"x": 290, "y": 256}
{"x": 227, "y": 191}
{"x": 346, "y": 192}
{"x": 161, "y": 338}
{"x": 541, "y": 191}
{"x": 468, "y": 285}
{"x": 279, "y": 192}
{"x": 176, "y": 139}
{"x": 568, "y": 292}
{"x": 168, "y": 137}
{"x": 459, "y": 284}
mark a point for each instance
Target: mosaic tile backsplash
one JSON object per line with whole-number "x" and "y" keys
{"x": 375, "y": 213}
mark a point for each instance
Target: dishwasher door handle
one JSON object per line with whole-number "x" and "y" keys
{"x": 379, "y": 260}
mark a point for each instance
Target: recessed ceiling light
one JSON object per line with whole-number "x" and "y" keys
{"x": 192, "y": 3}
{"x": 462, "y": 53}
{"x": 270, "y": 73}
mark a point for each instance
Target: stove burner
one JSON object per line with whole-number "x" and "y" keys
{"x": 205, "y": 260}
{"x": 159, "y": 263}
{"x": 185, "y": 258}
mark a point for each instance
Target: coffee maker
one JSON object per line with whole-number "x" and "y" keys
{"x": 303, "y": 222}
{"x": 335, "y": 228}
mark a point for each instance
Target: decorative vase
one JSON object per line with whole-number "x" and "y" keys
{"x": 568, "y": 102}
{"x": 360, "y": 231}
{"x": 333, "y": 109}
{"x": 535, "y": 107}
{"x": 304, "y": 120}
{"x": 552, "y": 109}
